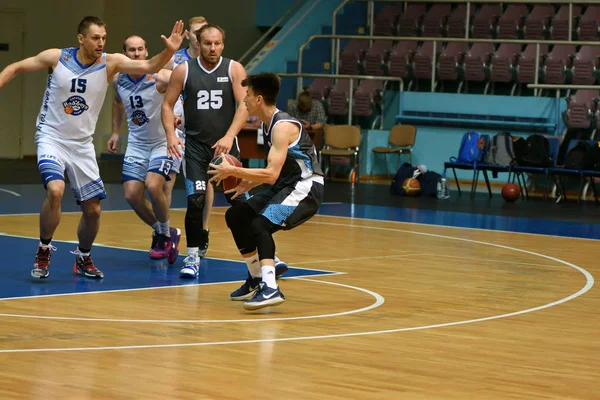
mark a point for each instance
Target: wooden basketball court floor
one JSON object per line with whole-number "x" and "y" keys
{"x": 382, "y": 303}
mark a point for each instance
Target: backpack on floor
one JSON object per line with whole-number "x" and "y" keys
{"x": 429, "y": 181}
{"x": 501, "y": 151}
{"x": 405, "y": 171}
{"x": 471, "y": 148}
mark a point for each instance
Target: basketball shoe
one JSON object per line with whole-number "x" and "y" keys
{"x": 280, "y": 267}
{"x": 264, "y": 297}
{"x": 42, "y": 261}
{"x": 191, "y": 267}
{"x": 247, "y": 290}
{"x": 173, "y": 252}
{"x": 84, "y": 266}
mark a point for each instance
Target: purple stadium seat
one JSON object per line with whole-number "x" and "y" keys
{"x": 338, "y": 98}
{"x": 422, "y": 61}
{"x": 526, "y": 63}
{"x": 587, "y": 28}
{"x": 401, "y": 58}
{"x": 319, "y": 88}
{"x": 456, "y": 22}
{"x": 510, "y": 24}
{"x": 484, "y": 22}
{"x": 580, "y": 109}
{"x": 409, "y": 22}
{"x": 352, "y": 56}
{"x": 585, "y": 65}
{"x": 384, "y": 23}
{"x": 503, "y": 62}
{"x": 560, "y": 23}
{"x": 435, "y": 20}
{"x": 558, "y": 63}
{"x": 365, "y": 97}
{"x": 477, "y": 61}
{"x": 450, "y": 63}
{"x": 537, "y": 25}
{"x": 377, "y": 57}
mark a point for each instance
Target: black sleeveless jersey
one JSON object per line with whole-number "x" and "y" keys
{"x": 209, "y": 104}
{"x": 301, "y": 161}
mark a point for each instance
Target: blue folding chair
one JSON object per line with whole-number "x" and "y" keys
{"x": 454, "y": 165}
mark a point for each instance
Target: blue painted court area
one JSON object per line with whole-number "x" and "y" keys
{"x": 465, "y": 220}
{"x": 123, "y": 269}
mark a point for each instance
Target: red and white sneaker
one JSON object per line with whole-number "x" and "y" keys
{"x": 84, "y": 266}
{"x": 42, "y": 261}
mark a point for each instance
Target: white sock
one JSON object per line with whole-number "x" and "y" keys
{"x": 155, "y": 226}
{"x": 81, "y": 254}
{"x": 268, "y": 276}
{"x": 163, "y": 229}
{"x": 253, "y": 265}
{"x": 193, "y": 252}
{"x": 45, "y": 246}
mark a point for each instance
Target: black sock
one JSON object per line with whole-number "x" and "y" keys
{"x": 81, "y": 250}
{"x": 45, "y": 241}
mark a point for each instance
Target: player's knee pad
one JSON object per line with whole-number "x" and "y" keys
{"x": 195, "y": 202}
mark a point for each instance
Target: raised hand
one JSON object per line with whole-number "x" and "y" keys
{"x": 174, "y": 41}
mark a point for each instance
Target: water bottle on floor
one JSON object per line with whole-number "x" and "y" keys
{"x": 442, "y": 188}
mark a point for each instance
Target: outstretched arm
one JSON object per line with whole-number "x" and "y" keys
{"x": 45, "y": 59}
{"x": 120, "y": 63}
{"x": 283, "y": 134}
{"x": 174, "y": 88}
{"x": 238, "y": 74}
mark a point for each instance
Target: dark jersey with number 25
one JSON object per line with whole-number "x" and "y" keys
{"x": 209, "y": 104}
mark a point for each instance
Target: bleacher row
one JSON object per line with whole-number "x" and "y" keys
{"x": 459, "y": 62}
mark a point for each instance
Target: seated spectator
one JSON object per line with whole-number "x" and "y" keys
{"x": 311, "y": 114}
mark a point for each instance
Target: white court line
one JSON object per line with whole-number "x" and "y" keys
{"x": 588, "y": 285}
{"x": 379, "y": 300}
{"x": 10, "y": 192}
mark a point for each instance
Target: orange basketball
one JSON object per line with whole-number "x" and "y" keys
{"x": 510, "y": 192}
{"x": 411, "y": 187}
{"x": 231, "y": 181}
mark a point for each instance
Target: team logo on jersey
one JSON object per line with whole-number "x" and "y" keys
{"x": 149, "y": 77}
{"x": 222, "y": 79}
{"x": 99, "y": 60}
{"x": 139, "y": 118}
{"x": 75, "y": 105}
{"x": 178, "y": 58}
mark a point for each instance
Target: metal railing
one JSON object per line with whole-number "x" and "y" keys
{"x": 562, "y": 86}
{"x": 351, "y": 87}
{"x": 267, "y": 34}
{"x": 371, "y": 16}
{"x": 435, "y": 41}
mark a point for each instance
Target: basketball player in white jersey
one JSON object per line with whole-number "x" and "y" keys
{"x": 146, "y": 164}
{"x": 75, "y": 91}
